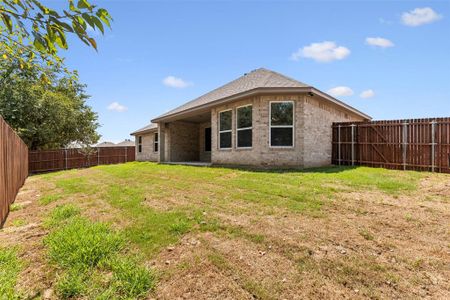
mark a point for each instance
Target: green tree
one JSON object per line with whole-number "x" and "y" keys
{"x": 32, "y": 33}
{"x": 46, "y": 115}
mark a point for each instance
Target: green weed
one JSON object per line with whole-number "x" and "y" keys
{"x": 10, "y": 267}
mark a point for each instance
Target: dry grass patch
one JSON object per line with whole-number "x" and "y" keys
{"x": 239, "y": 234}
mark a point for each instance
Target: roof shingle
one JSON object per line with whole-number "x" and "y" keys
{"x": 149, "y": 127}
{"x": 260, "y": 78}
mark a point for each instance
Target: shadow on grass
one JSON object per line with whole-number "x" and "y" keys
{"x": 279, "y": 170}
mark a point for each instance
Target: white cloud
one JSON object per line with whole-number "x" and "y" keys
{"x": 175, "y": 82}
{"x": 340, "y": 91}
{"x": 379, "y": 42}
{"x": 420, "y": 16}
{"x": 367, "y": 94}
{"x": 116, "y": 106}
{"x": 322, "y": 52}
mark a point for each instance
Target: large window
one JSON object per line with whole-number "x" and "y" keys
{"x": 225, "y": 129}
{"x": 140, "y": 144}
{"x": 244, "y": 126}
{"x": 282, "y": 124}
{"x": 156, "y": 142}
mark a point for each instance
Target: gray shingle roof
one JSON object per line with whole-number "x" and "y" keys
{"x": 126, "y": 143}
{"x": 149, "y": 127}
{"x": 105, "y": 144}
{"x": 260, "y": 78}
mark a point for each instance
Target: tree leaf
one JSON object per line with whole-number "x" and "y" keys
{"x": 7, "y": 21}
{"x": 93, "y": 43}
{"x": 83, "y": 4}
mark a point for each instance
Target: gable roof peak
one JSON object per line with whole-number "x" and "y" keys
{"x": 259, "y": 78}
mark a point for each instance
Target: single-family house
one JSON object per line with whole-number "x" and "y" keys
{"x": 125, "y": 143}
{"x": 261, "y": 119}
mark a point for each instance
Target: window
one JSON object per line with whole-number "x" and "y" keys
{"x": 225, "y": 129}
{"x": 208, "y": 139}
{"x": 244, "y": 127}
{"x": 155, "y": 142}
{"x": 140, "y": 144}
{"x": 282, "y": 124}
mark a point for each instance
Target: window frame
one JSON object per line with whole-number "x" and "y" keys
{"x": 140, "y": 144}
{"x": 155, "y": 142}
{"x": 244, "y": 128}
{"x": 225, "y": 131}
{"x": 282, "y": 126}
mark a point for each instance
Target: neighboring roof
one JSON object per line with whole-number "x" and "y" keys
{"x": 125, "y": 143}
{"x": 248, "y": 84}
{"x": 150, "y": 127}
{"x": 105, "y": 144}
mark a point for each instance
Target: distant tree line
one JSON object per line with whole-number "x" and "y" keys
{"x": 39, "y": 97}
{"x": 46, "y": 114}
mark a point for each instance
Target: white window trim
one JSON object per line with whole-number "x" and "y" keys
{"x": 244, "y": 128}
{"x": 155, "y": 142}
{"x": 224, "y": 131}
{"x": 282, "y": 126}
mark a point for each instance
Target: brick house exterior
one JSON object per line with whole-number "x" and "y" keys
{"x": 261, "y": 119}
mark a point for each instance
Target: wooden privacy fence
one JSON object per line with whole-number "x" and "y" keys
{"x": 64, "y": 159}
{"x": 415, "y": 144}
{"x": 13, "y": 167}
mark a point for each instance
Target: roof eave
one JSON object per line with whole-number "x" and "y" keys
{"x": 144, "y": 131}
{"x": 230, "y": 98}
{"x": 340, "y": 103}
{"x": 258, "y": 91}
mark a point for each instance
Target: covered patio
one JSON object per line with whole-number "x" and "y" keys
{"x": 186, "y": 140}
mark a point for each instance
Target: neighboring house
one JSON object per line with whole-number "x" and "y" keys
{"x": 262, "y": 119}
{"x": 105, "y": 144}
{"x": 125, "y": 143}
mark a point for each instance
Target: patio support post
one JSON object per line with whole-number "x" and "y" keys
{"x": 161, "y": 142}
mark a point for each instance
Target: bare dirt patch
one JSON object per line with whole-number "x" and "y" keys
{"x": 363, "y": 243}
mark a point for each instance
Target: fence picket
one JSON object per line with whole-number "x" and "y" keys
{"x": 54, "y": 160}
{"x": 13, "y": 167}
{"x": 415, "y": 144}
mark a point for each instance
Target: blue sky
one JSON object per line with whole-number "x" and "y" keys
{"x": 396, "y": 52}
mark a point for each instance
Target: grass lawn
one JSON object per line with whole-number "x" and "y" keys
{"x": 141, "y": 230}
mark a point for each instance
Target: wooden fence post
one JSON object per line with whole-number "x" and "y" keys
{"x": 353, "y": 144}
{"x": 405, "y": 143}
{"x": 98, "y": 156}
{"x": 65, "y": 159}
{"x": 126, "y": 154}
{"x": 433, "y": 146}
{"x": 339, "y": 145}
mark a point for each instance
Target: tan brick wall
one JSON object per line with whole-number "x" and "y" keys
{"x": 312, "y": 133}
{"x": 205, "y": 156}
{"x": 147, "y": 153}
{"x": 318, "y": 118}
{"x": 183, "y": 141}
{"x": 261, "y": 154}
